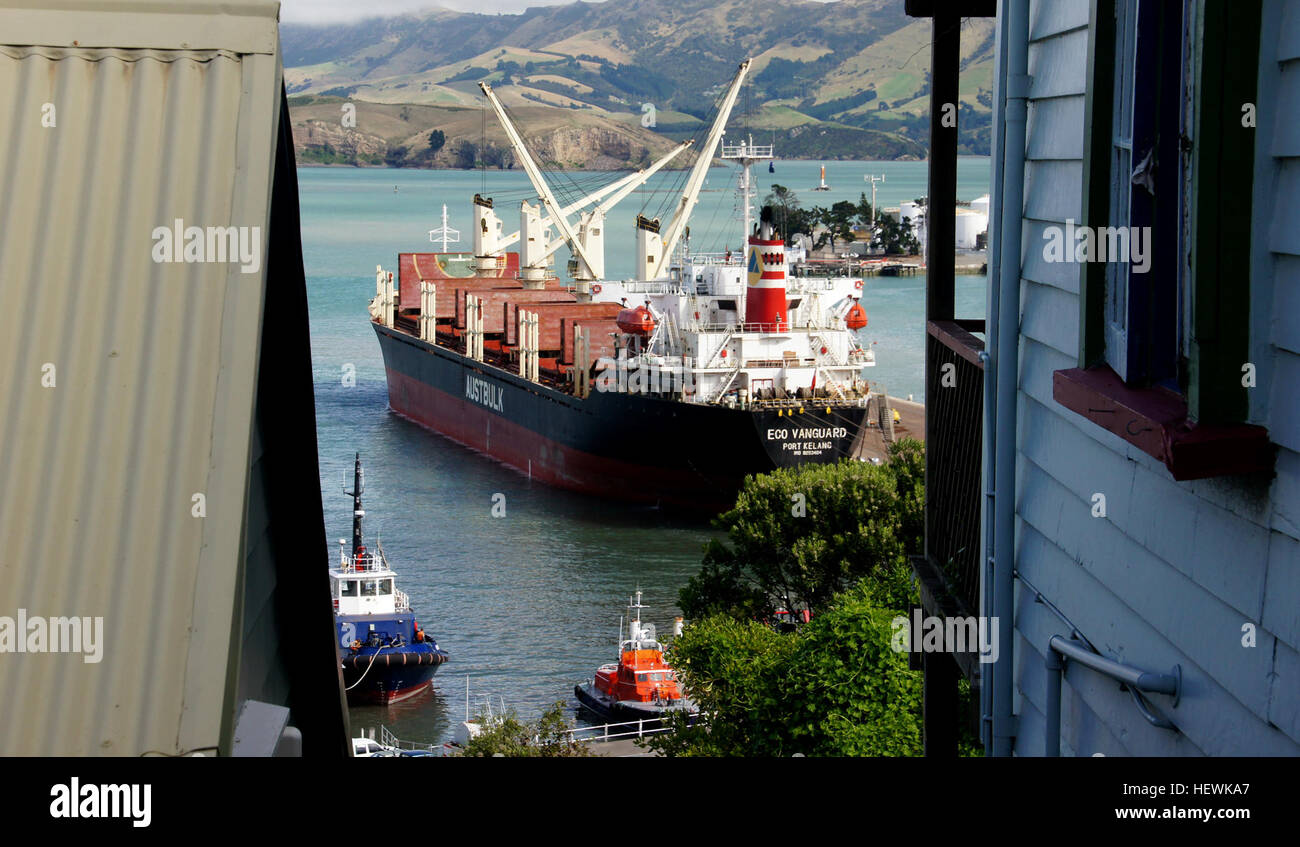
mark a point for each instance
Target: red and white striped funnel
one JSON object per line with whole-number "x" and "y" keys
{"x": 765, "y": 303}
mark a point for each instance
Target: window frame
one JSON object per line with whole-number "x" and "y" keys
{"x": 1194, "y": 422}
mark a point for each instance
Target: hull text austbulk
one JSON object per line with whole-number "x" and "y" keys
{"x": 484, "y": 393}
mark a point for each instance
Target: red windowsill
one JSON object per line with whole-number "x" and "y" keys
{"x": 1155, "y": 421}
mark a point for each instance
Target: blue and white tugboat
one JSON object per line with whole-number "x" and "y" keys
{"x": 386, "y": 655}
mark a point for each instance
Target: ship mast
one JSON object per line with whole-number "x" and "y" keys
{"x": 358, "y": 486}
{"x": 444, "y": 232}
{"x": 691, "y": 194}
{"x": 746, "y": 153}
{"x": 634, "y": 623}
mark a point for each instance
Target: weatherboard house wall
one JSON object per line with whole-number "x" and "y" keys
{"x": 1175, "y": 573}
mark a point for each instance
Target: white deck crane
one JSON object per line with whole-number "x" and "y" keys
{"x": 623, "y": 187}
{"x": 535, "y": 175}
{"x": 691, "y": 193}
{"x": 587, "y": 243}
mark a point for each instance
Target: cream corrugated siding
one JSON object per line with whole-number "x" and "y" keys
{"x": 156, "y": 363}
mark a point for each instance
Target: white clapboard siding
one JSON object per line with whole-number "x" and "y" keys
{"x": 1174, "y": 570}
{"x": 1054, "y": 18}
{"x": 1210, "y": 717}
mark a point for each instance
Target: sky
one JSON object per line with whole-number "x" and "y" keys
{"x": 333, "y": 11}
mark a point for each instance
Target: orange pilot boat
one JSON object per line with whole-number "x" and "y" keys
{"x": 640, "y": 685}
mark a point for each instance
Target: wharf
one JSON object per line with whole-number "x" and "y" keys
{"x": 965, "y": 263}
{"x": 874, "y": 439}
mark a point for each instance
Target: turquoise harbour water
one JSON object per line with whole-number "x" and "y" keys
{"x": 528, "y": 604}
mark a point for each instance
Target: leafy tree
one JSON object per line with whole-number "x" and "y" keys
{"x": 437, "y": 138}
{"x": 895, "y": 238}
{"x": 790, "y": 218}
{"x": 466, "y": 154}
{"x": 394, "y": 157}
{"x": 864, "y": 211}
{"x": 839, "y": 220}
{"x": 834, "y": 688}
{"x": 797, "y": 536}
{"x": 509, "y": 736}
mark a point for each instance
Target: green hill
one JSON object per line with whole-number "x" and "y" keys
{"x": 847, "y": 79}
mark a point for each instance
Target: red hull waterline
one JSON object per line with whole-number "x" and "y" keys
{"x": 537, "y": 456}
{"x": 387, "y": 698}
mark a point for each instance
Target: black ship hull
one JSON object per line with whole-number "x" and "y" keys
{"x": 633, "y": 447}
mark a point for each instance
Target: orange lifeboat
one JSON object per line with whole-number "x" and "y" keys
{"x": 638, "y": 321}
{"x": 856, "y": 318}
{"x": 641, "y": 685}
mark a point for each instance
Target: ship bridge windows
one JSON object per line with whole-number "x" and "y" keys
{"x": 385, "y": 587}
{"x": 369, "y": 587}
{"x": 349, "y": 587}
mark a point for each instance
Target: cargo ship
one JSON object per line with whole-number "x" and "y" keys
{"x": 385, "y": 654}
{"x": 666, "y": 389}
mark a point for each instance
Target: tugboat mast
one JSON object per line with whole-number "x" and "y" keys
{"x": 358, "y": 486}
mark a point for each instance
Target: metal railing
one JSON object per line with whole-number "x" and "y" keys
{"x": 365, "y": 563}
{"x": 954, "y": 394}
{"x": 627, "y": 729}
{"x": 387, "y": 739}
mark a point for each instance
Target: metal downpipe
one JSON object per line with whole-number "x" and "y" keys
{"x": 1006, "y": 361}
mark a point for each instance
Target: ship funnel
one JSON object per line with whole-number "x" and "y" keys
{"x": 765, "y": 303}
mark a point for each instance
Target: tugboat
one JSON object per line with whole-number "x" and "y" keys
{"x": 640, "y": 685}
{"x": 385, "y": 654}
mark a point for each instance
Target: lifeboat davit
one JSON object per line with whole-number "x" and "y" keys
{"x": 638, "y": 321}
{"x": 856, "y": 318}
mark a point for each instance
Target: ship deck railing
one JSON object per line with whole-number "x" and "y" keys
{"x": 733, "y": 258}
{"x": 809, "y": 402}
{"x": 365, "y": 563}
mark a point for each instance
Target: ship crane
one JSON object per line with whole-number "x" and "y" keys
{"x": 623, "y": 187}
{"x": 587, "y": 243}
{"x": 691, "y": 193}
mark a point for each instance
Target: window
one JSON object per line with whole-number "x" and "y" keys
{"x": 385, "y": 586}
{"x": 1167, "y": 182}
{"x": 349, "y": 588}
{"x": 1140, "y": 235}
{"x": 368, "y": 587}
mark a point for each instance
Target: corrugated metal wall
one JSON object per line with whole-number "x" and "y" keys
{"x": 127, "y": 384}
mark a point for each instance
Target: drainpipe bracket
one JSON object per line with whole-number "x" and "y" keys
{"x": 1018, "y": 86}
{"x": 1013, "y": 727}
